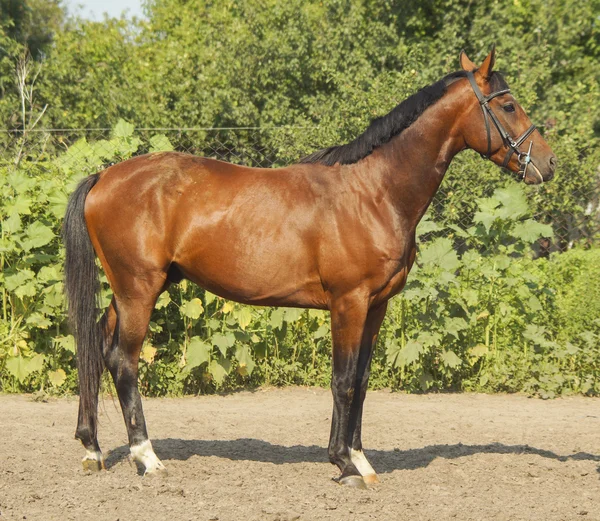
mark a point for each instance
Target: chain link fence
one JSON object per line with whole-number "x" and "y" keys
{"x": 573, "y": 210}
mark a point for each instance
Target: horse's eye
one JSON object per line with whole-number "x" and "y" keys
{"x": 509, "y": 107}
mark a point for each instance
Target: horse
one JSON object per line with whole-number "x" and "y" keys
{"x": 335, "y": 231}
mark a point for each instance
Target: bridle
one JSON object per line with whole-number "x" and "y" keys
{"x": 524, "y": 158}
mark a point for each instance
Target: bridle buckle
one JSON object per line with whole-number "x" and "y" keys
{"x": 524, "y": 163}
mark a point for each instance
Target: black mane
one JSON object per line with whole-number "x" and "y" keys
{"x": 383, "y": 129}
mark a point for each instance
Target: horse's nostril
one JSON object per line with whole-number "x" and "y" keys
{"x": 553, "y": 161}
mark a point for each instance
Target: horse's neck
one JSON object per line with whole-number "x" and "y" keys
{"x": 412, "y": 165}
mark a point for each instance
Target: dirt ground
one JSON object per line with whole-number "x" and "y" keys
{"x": 262, "y": 456}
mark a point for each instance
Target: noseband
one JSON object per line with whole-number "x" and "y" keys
{"x": 524, "y": 158}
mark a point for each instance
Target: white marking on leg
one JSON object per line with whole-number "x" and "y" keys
{"x": 361, "y": 463}
{"x": 145, "y": 455}
{"x": 94, "y": 455}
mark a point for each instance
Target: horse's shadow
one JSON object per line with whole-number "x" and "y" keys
{"x": 250, "y": 449}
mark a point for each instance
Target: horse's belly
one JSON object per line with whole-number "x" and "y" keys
{"x": 267, "y": 273}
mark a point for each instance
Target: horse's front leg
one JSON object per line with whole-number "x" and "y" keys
{"x": 348, "y": 318}
{"x": 373, "y": 324}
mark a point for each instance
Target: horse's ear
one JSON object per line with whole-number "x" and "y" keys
{"x": 487, "y": 66}
{"x": 465, "y": 62}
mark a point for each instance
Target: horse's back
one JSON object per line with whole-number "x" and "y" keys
{"x": 245, "y": 233}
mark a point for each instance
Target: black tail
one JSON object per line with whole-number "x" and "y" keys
{"x": 82, "y": 286}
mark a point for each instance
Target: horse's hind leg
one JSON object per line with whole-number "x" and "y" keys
{"x": 93, "y": 459}
{"x": 122, "y": 362}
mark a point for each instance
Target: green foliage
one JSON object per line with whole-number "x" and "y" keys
{"x": 483, "y": 316}
{"x": 576, "y": 308}
{"x": 486, "y": 320}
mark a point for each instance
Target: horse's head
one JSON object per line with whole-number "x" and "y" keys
{"x": 496, "y": 126}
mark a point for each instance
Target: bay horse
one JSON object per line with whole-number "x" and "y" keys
{"x": 335, "y": 231}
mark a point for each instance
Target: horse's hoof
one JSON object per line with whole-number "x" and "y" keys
{"x": 353, "y": 481}
{"x": 371, "y": 479}
{"x": 93, "y": 465}
{"x": 158, "y": 472}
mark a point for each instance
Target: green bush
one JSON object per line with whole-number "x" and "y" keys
{"x": 576, "y": 277}
{"x": 490, "y": 318}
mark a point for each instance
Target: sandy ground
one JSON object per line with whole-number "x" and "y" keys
{"x": 261, "y": 456}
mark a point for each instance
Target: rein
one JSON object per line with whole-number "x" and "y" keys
{"x": 524, "y": 158}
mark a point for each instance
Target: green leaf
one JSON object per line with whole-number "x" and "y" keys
{"x": 21, "y": 367}
{"x": 410, "y": 353}
{"x": 123, "y": 129}
{"x": 57, "y": 378}
{"x": 219, "y": 369}
{"x": 321, "y": 332}
{"x": 104, "y": 150}
{"x": 440, "y": 253}
{"x": 425, "y": 381}
{"x": 160, "y": 143}
{"x": 49, "y": 274}
{"x": 478, "y": 351}
{"x": 276, "y": 319}
{"x": 38, "y": 320}
{"x": 17, "y": 367}
{"x": 243, "y": 315}
{"x": 58, "y": 203}
{"x": 164, "y": 300}
{"x": 537, "y": 334}
{"x": 127, "y": 147}
{"x": 454, "y": 325}
{"x": 38, "y": 235}
{"x": 26, "y": 290}
{"x": 192, "y": 308}
{"x": 244, "y": 357}
{"x": 392, "y": 351}
{"x": 12, "y": 282}
{"x": 429, "y": 338}
{"x": 487, "y": 213}
{"x": 459, "y": 231}
{"x": 292, "y": 314}
{"x": 402, "y": 356}
{"x": 534, "y": 304}
{"x": 148, "y": 351}
{"x": 529, "y": 231}
{"x": 20, "y": 181}
{"x": 21, "y": 205}
{"x": 450, "y": 359}
{"x": 223, "y": 342}
{"x": 571, "y": 349}
{"x": 12, "y": 224}
{"x": 36, "y": 363}
{"x": 427, "y": 226}
{"x": 513, "y": 200}
{"x": 66, "y": 342}
{"x": 198, "y": 352}
{"x": 318, "y": 314}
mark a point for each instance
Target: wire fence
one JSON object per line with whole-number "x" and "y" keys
{"x": 573, "y": 210}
